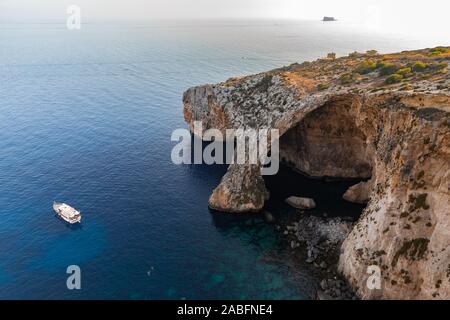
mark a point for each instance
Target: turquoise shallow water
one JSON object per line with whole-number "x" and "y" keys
{"x": 86, "y": 118}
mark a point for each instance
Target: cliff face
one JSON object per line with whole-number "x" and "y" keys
{"x": 381, "y": 118}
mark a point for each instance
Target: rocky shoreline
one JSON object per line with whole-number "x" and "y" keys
{"x": 319, "y": 239}
{"x": 381, "y": 118}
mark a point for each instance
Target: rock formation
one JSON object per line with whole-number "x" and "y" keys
{"x": 359, "y": 193}
{"x": 301, "y": 203}
{"x": 242, "y": 189}
{"x": 367, "y": 116}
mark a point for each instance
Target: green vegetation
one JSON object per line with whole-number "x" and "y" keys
{"x": 419, "y": 67}
{"x": 405, "y": 72}
{"x": 439, "y": 66}
{"x": 347, "y": 78}
{"x": 365, "y": 67}
{"x": 380, "y": 64}
{"x": 439, "y": 50}
{"x": 322, "y": 86}
{"x": 387, "y": 69}
{"x": 394, "y": 78}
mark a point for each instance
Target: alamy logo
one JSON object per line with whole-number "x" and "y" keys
{"x": 374, "y": 280}
{"x": 74, "y": 280}
{"x": 239, "y": 146}
{"x": 74, "y": 18}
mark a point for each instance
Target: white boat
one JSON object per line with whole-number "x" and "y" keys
{"x": 69, "y": 214}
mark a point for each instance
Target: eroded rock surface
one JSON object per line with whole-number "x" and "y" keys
{"x": 242, "y": 189}
{"x": 383, "y": 117}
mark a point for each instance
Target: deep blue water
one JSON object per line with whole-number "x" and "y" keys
{"x": 86, "y": 118}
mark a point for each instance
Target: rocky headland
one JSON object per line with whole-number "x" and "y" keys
{"x": 380, "y": 118}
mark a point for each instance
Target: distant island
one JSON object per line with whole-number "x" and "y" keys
{"x": 329, "y": 19}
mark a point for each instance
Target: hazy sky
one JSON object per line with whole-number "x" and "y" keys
{"x": 394, "y": 12}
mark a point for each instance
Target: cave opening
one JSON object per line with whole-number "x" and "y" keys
{"x": 321, "y": 157}
{"x": 327, "y": 194}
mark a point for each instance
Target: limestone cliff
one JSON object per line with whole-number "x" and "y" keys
{"x": 381, "y": 118}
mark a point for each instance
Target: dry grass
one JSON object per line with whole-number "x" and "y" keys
{"x": 305, "y": 85}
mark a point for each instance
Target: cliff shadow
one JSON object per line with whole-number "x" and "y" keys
{"x": 322, "y": 156}
{"x": 326, "y": 193}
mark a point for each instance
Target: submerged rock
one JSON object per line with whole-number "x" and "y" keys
{"x": 301, "y": 203}
{"x": 268, "y": 217}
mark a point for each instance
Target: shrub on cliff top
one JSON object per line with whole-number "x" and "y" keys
{"x": 439, "y": 66}
{"x": 394, "y": 78}
{"x": 405, "y": 72}
{"x": 419, "y": 66}
{"x": 380, "y": 64}
{"x": 322, "y": 86}
{"x": 346, "y": 78}
{"x": 365, "y": 67}
{"x": 387, "y": 69}
{"x": 439, "y": 50}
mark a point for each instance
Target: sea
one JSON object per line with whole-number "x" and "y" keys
{"x": 86, "y": 118}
